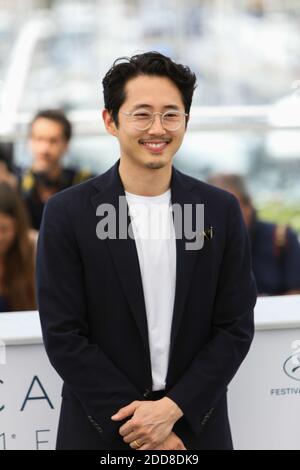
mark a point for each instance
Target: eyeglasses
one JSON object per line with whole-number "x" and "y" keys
{"x": 143, "y": 120}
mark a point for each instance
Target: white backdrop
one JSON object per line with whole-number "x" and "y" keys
{"x": 30, "y": 394}
{"x": 264, "y": 398}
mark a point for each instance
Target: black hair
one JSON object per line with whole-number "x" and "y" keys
{"x": 58, "y": 116}
{"x": 149, "y": 63}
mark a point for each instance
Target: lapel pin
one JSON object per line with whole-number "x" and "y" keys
{"x": 209, "y": 233}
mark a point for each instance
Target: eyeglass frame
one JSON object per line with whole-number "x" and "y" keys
{"x": 129, "y": 114}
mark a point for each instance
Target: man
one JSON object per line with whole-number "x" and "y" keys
{"x": 145, "y": 332}
{"x": 275, "y": 248}
{"x": 50, "y": 135}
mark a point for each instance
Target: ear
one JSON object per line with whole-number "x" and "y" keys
{"x": 109, "y": 122}
{"x": 187, "y": 121}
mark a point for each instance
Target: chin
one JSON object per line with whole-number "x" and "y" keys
{"x": 157, "y": 162}
{"x": 155, "y": 165}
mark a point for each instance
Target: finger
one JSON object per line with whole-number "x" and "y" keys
{"x": 125, "y": 412}
{"x": 134, "y": 446}
{"x": 144, "y": 447}
{"x": 130, "y": 437}
{"x": 126, "y": 429}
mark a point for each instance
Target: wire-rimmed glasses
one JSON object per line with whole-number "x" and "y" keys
{"x": 143, "y": 119}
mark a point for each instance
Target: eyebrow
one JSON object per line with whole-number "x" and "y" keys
{"x": 144, "y": 105}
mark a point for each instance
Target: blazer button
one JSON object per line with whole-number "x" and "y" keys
{"x": 147, "y": 394}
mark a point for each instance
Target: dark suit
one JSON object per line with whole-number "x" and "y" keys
{"x": 94, "y": 320}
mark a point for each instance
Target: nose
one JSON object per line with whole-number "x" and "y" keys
{"x": 41, "y": 146}
{"x": 44, "y": 147}
{"x": 156, "y": 126}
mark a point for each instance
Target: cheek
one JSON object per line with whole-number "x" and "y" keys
{"x": 54, "y": 153}
{"x": 34, "y": 147}
{"x": 129, "y": 140}
{"x": 177, "y": 140}
{"x": 7, "y": 238}
{"x": 131, "y": 135}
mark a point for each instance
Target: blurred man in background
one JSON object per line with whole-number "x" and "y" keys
{"x": 50, "y": 135}
{"x": 275, "y": 247}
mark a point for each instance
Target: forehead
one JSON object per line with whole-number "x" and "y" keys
{"x": 48, "y": 127}
{"x": 157, "y": 92}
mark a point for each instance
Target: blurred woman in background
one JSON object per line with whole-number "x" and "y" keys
{"x": 275, "y": 247}
{"x": 17, "y": 254}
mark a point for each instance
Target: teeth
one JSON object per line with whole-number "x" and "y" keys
{"x": 148, "y": 144}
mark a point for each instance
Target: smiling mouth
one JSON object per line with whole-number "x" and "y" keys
{"x": 155, "y": 146}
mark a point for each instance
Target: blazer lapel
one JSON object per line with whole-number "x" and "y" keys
{"x": 123, "y": 251}
{"x": 181, "y": 194}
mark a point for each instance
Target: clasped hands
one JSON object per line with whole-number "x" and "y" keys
{"x": 150, "y": 426}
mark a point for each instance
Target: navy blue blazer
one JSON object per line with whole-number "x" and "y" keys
{"x": 94, "y": 322}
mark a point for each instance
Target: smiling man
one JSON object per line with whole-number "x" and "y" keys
{"x": 145, "y": 333}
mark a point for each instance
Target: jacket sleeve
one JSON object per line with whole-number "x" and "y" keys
{"x": 205, "y": 381}
{"x": 95, "y": 381}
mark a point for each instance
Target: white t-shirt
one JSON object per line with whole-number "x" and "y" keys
{"x": 154, "y": 233}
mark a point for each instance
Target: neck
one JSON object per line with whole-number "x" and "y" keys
{"x": 144, "y": 181}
